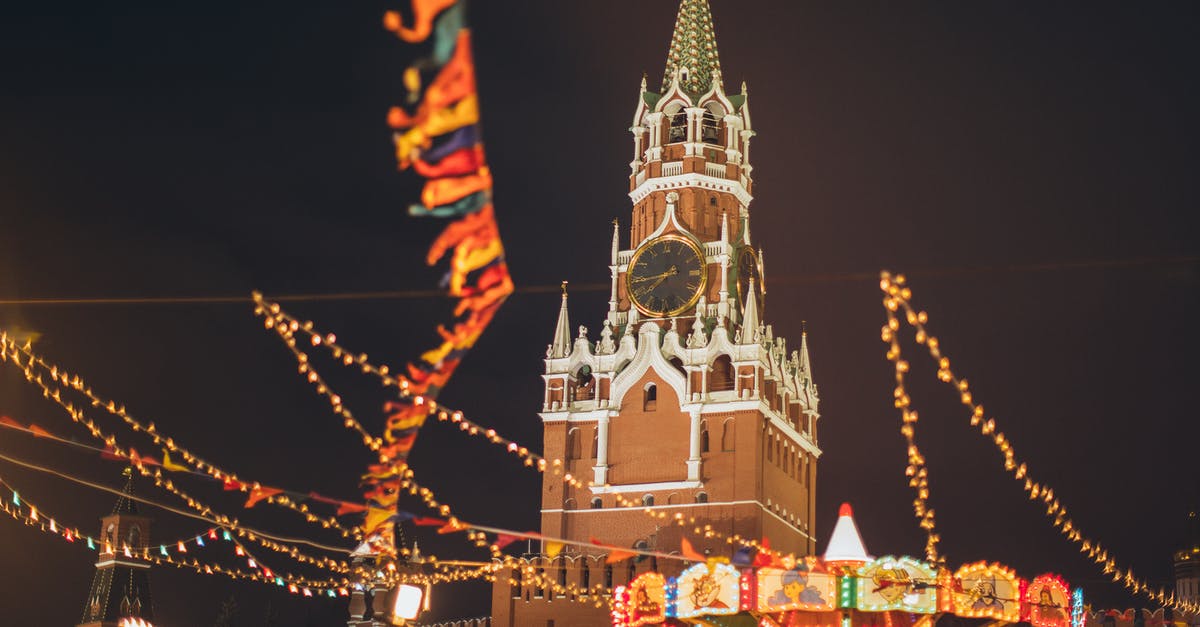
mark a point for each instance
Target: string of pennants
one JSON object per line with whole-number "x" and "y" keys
{"x": 256, "y": 493}
{"x": 179, "y": 553}
{"x": 810, "y": 587}
{"x": 437, "y": 135}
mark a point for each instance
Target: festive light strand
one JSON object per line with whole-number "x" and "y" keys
{"x": 25, "y": 511}
{"x": 77, "y": 415}
{"x": 10, "y": 349}
{"x": 899, "y": 296}
{"x": 916, "y": 471}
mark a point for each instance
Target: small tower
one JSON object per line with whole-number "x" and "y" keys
{"x": 121, "y": 587}
{"x": 1187, "y": 567}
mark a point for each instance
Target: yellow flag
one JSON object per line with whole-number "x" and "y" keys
{"x": 553, "y": 548}
{"x": 172, "y": 466}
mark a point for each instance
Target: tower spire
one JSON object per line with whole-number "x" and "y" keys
{"x": 750, "y": 320}
{"x": 561, "y": 347}
{"x": 693, "y": 50}
{"x": 805, "y": 364}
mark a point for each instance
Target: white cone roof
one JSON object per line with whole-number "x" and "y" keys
{"x": 846, "y": 545}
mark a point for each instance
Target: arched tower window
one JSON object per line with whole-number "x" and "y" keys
{"x": 569, "y": 504}
{"x": 721, "y": 379}
{"x": 585, "y": 577}
{"x": 648, "y": 500}
{"x": 135, "y": 537}
{"x": 679, "y": 127}
{"x": 728, "y": 436}
{"x": 573, "y": 444}
{"x": 596, "y": 442}
{"x": 710, "y": 129}
{"x": 702, "y": 497}
{"x": 585, "y": 384}
{"x": 597, "y": 503}
{"x": 650, "y": 397}
{"x": 704, "y": 436}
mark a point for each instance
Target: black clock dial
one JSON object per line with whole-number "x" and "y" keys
{"x": 748, "y": 268}
{"x": 666, "y": 276}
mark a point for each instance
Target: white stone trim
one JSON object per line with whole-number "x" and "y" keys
{"x": 121, "y": 563}
{"x": 689, "y": 180}
{"x": 647, "y": 487}
{"x": 609, "y": 510}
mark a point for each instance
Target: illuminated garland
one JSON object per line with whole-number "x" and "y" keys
{"x": 898, "y": 296}
{"x": 204, "y": 512}
{"x": 916, "y": 471}
{"x": 11, "y": 349}
{"x": 22, "y": 510}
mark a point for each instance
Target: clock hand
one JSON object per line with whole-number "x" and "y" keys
{"x": 672, "y": 272}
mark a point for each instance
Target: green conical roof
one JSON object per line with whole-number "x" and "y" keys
{"x": 693, "y": 47}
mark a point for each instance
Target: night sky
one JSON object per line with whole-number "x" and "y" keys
{"x": 1031, "y": 166}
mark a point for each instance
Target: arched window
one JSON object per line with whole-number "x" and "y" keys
{"x": 770, "y": 449}
{"x": 585, "y": 389}
{"x": 608, "y": 576}
{"x": 585, "y": 577}
{"x": 702, "y": 497}
{"x": 710, "y": 129}
{"x": 728, "y": 436}
{"x": 573, "y": 444}
{"x": 721, "y": 379}
{"x": 596, "y": 442}
{"x": 597, "y": 503}
{"x": 679, "y": 127}
{"x": 135, "y": 537}
{"x": 650, "y": 397}
{"x": 648, "y": 500}
{"x": 631, "y": 572}
{"x": 704, "y": 436}
{"x": 569, "y": 504}
{"x": 673, "y": 499}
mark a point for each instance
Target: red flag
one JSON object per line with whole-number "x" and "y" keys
{"x": 504, "y": 539}
{"x": 690, "y": 553}
{"x": 451, "y": 527}
{"x": 39, "y": 432}
{"x": 233, "y": 486}
{"x": 5, "y": 420}
{"x": 763, "y": 558}
{"x": 110, "y": 453}
{"x": 258, "y": 494}
{"x": 429, "y": 522}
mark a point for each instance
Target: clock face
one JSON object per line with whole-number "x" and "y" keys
{"x": 666, "y": 276}
{"x": 747, "y": 268}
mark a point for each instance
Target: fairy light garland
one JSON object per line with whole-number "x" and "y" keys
{"x": 916, "y": 471}
{"x": 204, "y": 512}
{"x": 25, "y": 511}
{"x": 899, "y": 296}
{"x": 10, "y": 349}
{"x": 288, "y": 326}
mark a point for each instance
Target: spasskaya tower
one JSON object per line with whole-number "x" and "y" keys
{"x": 685, "y": 401}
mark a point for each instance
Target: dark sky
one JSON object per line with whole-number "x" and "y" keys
{"x": 158, "y": 149}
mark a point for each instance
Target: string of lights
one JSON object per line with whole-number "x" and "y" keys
{"x": 899, "y": 296}
{"x": 21, "y": 509}
{"x": 916, "y": 470}
{"x": 206, "y": 512}
{"x": 11, "y": 350}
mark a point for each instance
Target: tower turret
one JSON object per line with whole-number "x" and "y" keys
{"x": 121, "y": 586}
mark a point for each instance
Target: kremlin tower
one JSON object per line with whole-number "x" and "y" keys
{"x": 685, "y": 401}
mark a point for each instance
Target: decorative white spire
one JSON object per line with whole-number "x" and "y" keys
{"x": 750, "y": 320}
{"x": 805, "y": 364}
{"x": 616, "y": 241}
{"x": 561, "y": 347}
{"x": 725, "y": 227}
{"x": 846, "y": 545}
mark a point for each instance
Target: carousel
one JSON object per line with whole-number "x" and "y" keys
{"x": 846, "y": 587}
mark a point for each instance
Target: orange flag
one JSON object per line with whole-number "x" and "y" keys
{"x": 618, "y": 555}
{"x": 258, "y": 494}
{"x": 691, "y": 553}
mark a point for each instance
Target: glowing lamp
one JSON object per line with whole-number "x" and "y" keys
{"x": 410, "y": 600}
{"x": 134, "y": 622}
